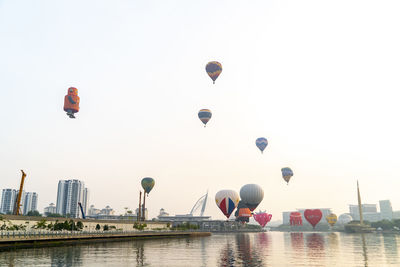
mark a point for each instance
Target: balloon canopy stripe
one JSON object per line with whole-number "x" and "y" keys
{"x": 223, "y": 207}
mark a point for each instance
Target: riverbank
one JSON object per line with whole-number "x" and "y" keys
{"x": 46, "y": 239}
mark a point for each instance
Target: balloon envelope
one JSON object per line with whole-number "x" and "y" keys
{"x": 345, "y": 218}
{"x": 331, "y": 219}
{"x": 227, "y": 201}
{"x": 261, "y": 143}
{"x": 251, "y": 195}
{"x": 147, "y": 184}
{"x": 287, "y": 173}
{"x": 262, "y": 218}
{"x": 71, "y": 102}
{"x": 214, "y": 69}
{"x": 313, "y": 216}
{"x": 296, "y": 219}
{"x": 205, "y": 116}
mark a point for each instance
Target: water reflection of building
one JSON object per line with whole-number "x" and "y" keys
{"x": 66, "y": 256}
{"x": 391, "y": 250}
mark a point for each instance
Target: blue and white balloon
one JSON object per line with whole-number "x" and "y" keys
{"x": 262, "y": 143}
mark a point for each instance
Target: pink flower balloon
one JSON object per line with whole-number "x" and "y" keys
{"x": 262, "y": 218}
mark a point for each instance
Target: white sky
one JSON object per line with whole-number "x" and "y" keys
{"x": 319, "y": 79}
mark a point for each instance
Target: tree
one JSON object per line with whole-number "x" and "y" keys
{"x": 105, "y": 227}
{"x": 384, "y": 224}
{"x": 34, "y": 213}
{"x": 79, "y": 225}
{"x": 40, "y": 224}
{"x": 98, "y": 227}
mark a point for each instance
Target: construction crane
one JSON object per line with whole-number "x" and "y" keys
{"x": 83, "y": 214}
{"x": 17, "y": 205}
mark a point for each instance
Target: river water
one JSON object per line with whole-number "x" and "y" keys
{"x": 243, "y": 249}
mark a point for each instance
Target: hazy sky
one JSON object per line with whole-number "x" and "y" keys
{"x": 319, "y": 79}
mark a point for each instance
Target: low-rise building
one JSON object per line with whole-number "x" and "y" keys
{"x": 51, "y": 209}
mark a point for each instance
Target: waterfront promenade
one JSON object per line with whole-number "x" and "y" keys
{"x": 27, "y": 239}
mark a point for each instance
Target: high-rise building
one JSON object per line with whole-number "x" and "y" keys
{"x": 386, "y": 209}
{"x": 369, "y": 210}
{"x": 8, "y": 198}
{"x": 30, "y": 202}
{"x": 69, "y": 194}
{"x": 85, "y": 201}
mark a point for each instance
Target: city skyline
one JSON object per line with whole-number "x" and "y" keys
{"x": 318, "y": 79}
{"x": 370, "y": 211}
{"x": 29, "y": 201}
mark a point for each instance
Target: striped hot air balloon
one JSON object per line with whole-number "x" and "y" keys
{"x": 287, "y": 173}
{"x": 205, "y": 115}
{"x": 331, "y": 219}
{"x": 251, "y": 195}
{"x": 214, "y": 69}
{"x": 261, "y": 143}
{"x": 227, "y": 201}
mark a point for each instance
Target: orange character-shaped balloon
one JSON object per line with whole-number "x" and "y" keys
{"x": 71, "y": 102}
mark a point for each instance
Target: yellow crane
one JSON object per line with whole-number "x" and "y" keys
{"x": 18, "y": 202}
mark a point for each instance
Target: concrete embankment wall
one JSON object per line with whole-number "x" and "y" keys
{"x": 17, "y": 242}
{"x": 88, "y": 224}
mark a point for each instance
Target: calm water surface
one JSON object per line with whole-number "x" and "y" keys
{"x": 245, "y": 249}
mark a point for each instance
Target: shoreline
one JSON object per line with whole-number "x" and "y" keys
{"x": 50, "y": 241}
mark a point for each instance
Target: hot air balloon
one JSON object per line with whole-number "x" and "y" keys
{"x": 245, "y": 212}
{"x": 262, "y": 218}
{"x": 296, "y": 219}
{"x": 261, "y": 143}
{"x": 345, "y": 218}
{"x": 147, "y": 184}
{"x": 331, "y": 219}
{"x": 251, "y": 195}
{"x": 205, "y": 115}
{"x": 227, "y": 201}
{"x": 242, "y": 213}
{"x": 313, "y": 216}
{"x": 287, "y": 173}
{"x": 214, "y": 69}
{"x": 71, "y": 102}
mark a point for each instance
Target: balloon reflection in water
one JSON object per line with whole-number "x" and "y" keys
{"x": 315, "y": 245}
{"x": 247, "y": 256}
{"x": 297, "y": 241}
{"x": 333, "y": 242}
{"x": 263, "y": 240}
{"x": 227, "y": 257}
